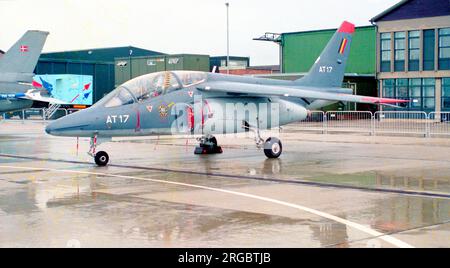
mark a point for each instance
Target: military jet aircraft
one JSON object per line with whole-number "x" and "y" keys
{"x": 189, "y": 102}
{"x": 16, "y": 73}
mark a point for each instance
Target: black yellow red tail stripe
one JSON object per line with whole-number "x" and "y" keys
{"x": 343, "y": 45}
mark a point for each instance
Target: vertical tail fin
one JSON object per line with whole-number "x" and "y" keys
{"x": 22, "y": 57}
{"x": 329, "y": 68}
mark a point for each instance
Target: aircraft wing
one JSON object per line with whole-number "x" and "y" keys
{"x": 270, "y": 90}
{"x": 36, "y": 96}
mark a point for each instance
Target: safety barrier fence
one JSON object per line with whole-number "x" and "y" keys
{"x": 434, "y": 124}
{"x": 401, "y": 123}
{"x": 36, "y": 114}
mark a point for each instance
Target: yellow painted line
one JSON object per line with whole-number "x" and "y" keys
{"x": 387, "y": 238}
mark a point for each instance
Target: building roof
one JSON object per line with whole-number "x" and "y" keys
{"x": 348, "y": 75}
{"x": 273, "y": 68}
{"x": 231, "y": 57}
{"x": 161, "y": 56}
{"x": 389, "y": 10}
{"x": 100, "y": 54}
{"x": 410, "y": 9}
{"x": 325, "y": 30}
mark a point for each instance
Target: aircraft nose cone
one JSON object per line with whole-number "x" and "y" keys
{"x": 69, "y": 125}
{"x": 48, "y": 130}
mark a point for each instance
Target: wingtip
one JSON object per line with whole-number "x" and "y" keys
{"x": 376, "y": 100}
{"x": 347, "y": 27}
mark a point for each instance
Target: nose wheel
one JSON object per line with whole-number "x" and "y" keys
{"x": 101, "y": 158}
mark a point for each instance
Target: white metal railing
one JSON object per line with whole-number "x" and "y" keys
{"x": 314, "y": 122}
{"x": 439, "y": 124}
{"x": 380, "y": 123}
{"x": 35, "y": 114}
{"x": 400, "y": 122}
{"x": 349, "y": 121}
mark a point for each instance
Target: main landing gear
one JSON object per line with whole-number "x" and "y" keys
{"x": 272, "y": 146}
{"x": 208, "y": 145}
{"x": 101, "y": 158}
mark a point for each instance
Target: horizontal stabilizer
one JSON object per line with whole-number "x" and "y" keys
{"x": 304, "y": 92}
{"x": 35, "y": 95}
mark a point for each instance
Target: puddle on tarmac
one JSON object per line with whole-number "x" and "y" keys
{"x": 423, "y": 182}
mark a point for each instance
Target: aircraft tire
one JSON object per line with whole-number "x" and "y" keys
{"x": 273, "y": 147}
{"x": 101, "y": 158}
{"x": 213, "y": 140}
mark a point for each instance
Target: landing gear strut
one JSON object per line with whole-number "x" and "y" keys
{"x": 272, "y": 146}
{"x": 101, "y": 158}
{"x": 208, "y": 145}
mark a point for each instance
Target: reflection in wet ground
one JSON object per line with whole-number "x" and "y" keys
{"x": 387, "y": 180}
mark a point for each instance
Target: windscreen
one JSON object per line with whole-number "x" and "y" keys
{"x": 189, "y": 78}
{"x": 151, "y": 86}
{"x": 121, "y": 97}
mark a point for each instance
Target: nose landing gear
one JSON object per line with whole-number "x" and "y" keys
{"x": 101, "y": 158}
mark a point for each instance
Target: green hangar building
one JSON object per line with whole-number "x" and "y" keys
{"x": 127, "y": 68}
{"x": 301, "y": 49}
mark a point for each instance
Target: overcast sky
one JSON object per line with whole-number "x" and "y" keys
{"x": 177, "y": 26}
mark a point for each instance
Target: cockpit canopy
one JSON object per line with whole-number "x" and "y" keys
{"x": 150, "y": 86}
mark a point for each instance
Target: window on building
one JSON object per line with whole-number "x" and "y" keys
{"x": 415, "y": 93}
{"x": 428, "y": 50}
{"x": 444, "y": 49}
{"x": 399, "y": 50}
{"x": 428, "y": 87}
{"x": 238, "y": 63}
{"x": 401, "y": 88}
{"x": 446, "y": 94}
{"x": 388, "y": 88}
{"x": 420, "y": 91}
{"x": 414, "y": 50}
{"x": 385, "y": 61}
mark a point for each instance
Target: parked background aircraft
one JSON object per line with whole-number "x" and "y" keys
{"x": 188, "y": 102}
{"x": 16, "y": 73}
